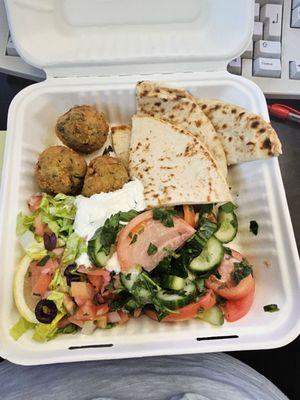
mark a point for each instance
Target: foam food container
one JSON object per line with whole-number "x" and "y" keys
{"x": 93, "y": 55}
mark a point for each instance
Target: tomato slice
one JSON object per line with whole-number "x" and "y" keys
{"x": 133, "y": 250}
{"x": 225, "y": 287}
{"x": 235, "y": 310}
{"x": 187, "y": 312}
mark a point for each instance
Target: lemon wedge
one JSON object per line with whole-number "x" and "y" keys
{"x": 24, "y": 299}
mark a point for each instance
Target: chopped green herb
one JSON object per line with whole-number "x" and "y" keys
{"x": 127, "y": 216}
{"x": 241, "y": 271}
{"x": 171, "y": 252}
{"x": 200, "y": 285}
{"x": 130, "y": 235}
{"x": 253, "y": 227}
{"x": 271, "y": 308}
{"x": 71, "y": 328}
{"x": 203, "y": 208}
{"x": 164, "y": 216}
{"x": 228, "y": 207}
{"x": 134, "y": 238}
{"x": 227, "y": 250}
{"x": 43, "y": 261}
{"x": 152, "y": 249}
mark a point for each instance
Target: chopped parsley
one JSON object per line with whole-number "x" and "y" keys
{"x": 227, "y": 250}
{"x": 43, "y": 261}
{"x": 228, "y": 207}
{"x": 271, "y": 308}
{"x": 164, "y": 216}
{"x": 134, "y": 238}
{"x": 152, "y": 249}
{"x": 241, "y": 271}
{"x": 253, "y": 227}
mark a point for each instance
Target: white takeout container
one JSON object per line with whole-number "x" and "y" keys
{"x": 95, "y": 55}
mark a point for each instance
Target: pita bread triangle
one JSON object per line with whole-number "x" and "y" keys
{"x": 181, "y": 109}
{"x": 245, "y": 136}
{"x": 173, "y": 165}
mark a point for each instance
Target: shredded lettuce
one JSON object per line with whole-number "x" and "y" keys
{"x": 45, "y": 332}
{"x": 20, "y": 328}
{"x": 34, "y": 249}
{"x": 57, "y": 298}
{"x": 59, "y": 206}
{"x": 58, "y": 281}
{"x": 75, "y": 246}
{"x": 24, "y": 223}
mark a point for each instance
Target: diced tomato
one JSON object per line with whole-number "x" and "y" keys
{"x": 81, "y": 292}
{"x": 39, "y": 227}
{"x": 96, "y": 281}
{"x": 34, "y": 202}
{"x": 50, "y": 267}
{"x": 42, "y": 284}
{"x": 190, "y": 311}
{"x": 40, "y": 277}
{"x": 87, "y": 312}
{"x": 99, "y": 277}
{"x": 124, "y": 318}
{"x": 102, "y": 310}
{"x": 149, "y": 231}
{"x": 224, "y": 286}
{"x": 235, "y": 310}
{"x": 189, "y": 215}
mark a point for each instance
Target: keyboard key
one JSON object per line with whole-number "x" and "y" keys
{"x": 256, "y": 12}
{"x": 248, "y": 53}
{"x": 267, "y": 67}
{"x": 296, "y": 18}
{"x": 295, "y": 69}
{"x": 272, "y": 12}
{"x": 235, "y": 66}
{"x": 271, "y": 15}
{"x": 267, "y": 49}
{"x": 296, "y": 3}
{"x": 257, "y": 31}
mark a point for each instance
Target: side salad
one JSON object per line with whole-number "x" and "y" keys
{"x": 171, "y": 265}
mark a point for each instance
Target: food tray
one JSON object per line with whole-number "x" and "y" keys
{"x": 256, "y": 186}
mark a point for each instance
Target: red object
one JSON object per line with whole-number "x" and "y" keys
{"x": 187, "y": 312}
{"x": 235, "y": 310}
{"x": 282, "y": 111}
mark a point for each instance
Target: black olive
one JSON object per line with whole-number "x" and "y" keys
{"x": 49, "y": 241}
{"x": 45, "y": 311}
{"x": 71, "y": 274}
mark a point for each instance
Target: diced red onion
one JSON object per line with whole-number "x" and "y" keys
{"x": 113, "y": 317}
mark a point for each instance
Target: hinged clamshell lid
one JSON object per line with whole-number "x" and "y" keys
{"x": 112, "y": 37}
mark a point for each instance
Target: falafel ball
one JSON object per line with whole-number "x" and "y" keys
{"x": 82, "y": 128}
{"x": 60, "y": 170}
{"x": 104, "y": 174}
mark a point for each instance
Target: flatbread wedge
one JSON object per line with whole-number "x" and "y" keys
{"x": 120, "y": 136}
{"x": 173, "y": 165}
{"x": 180, "y": 108}
{"x": 245, "y": 136}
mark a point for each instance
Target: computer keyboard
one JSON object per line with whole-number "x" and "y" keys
{"x": 272, "y": 59}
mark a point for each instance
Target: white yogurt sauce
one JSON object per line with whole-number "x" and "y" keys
{"x": 93, "y": 211}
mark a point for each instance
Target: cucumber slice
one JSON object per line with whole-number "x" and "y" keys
{"x": 213, "y": 316}
{"x": 177, "y": 300}
{"x": 96, "y": 255}
{"x": 172, "y": 300}
{"x": 142, "y": 295}
{"x": 228, "y": 225}
{"x": 210, "y": 256}
{"x": 173, "y": 282}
